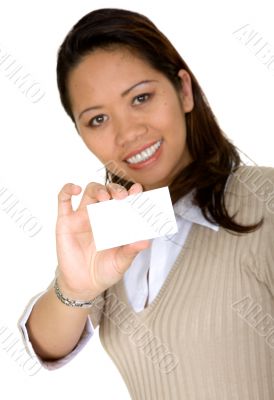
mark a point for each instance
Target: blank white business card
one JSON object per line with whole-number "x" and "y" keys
{"x": 141, "y": 216}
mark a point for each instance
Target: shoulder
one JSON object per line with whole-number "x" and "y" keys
{"x": 254, "y": 176}
{"x": 250, "y": 194}
{"x": 250, "y": 189}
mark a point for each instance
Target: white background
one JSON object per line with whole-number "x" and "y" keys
{"x": 40, "y": 150}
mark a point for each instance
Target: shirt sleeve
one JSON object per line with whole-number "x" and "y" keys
{"x": 51, "y": 365}
{"x": 93, "y": 321}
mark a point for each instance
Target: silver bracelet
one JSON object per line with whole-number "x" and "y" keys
{"x": 70, "y": 302}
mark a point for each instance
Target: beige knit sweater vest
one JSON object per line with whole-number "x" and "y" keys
{"x": 209, "y": 333}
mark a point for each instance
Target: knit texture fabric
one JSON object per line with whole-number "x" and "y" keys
{"x": 209, "y": 333}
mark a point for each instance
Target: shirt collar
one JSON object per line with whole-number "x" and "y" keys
{"x": 185, "y": 209}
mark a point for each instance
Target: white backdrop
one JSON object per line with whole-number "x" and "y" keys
{"x": 40, "y": 150}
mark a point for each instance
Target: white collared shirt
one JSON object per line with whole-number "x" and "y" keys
{"x": 140, "y": 286}
{"x": 149, "y": 269}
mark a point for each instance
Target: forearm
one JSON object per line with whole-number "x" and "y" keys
{"x": 54, "y": 328}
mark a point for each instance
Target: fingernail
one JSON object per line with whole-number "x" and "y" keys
{"x": 118, "y": 188}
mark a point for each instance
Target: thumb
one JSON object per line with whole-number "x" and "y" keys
{"x": 126, "y": 254}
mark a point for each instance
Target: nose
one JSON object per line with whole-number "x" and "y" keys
{"x": 129, "y": 129}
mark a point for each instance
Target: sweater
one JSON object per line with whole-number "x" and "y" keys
{"x": 209, "y": 333}
{"x": 142, "y": 280}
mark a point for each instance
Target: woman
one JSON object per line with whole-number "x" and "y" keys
{"x": 173, "y": 314}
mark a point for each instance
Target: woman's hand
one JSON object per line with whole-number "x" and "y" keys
{"x": 83, "y": 272}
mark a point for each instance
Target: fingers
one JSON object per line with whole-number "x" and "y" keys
{"x": 64, "y": 198}
{"x": 95, "y": 192}
{"x": 126, "y": 254}
{"x": 116, "y": 191}
{"x": 135, "y": 188}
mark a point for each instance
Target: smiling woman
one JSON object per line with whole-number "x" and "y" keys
{"x": 140, "y": 125}
{"x": 164, "y": 307}
{"x": 103, "y": 57}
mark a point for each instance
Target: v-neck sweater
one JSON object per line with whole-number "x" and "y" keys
{"x": 209, "y": 332}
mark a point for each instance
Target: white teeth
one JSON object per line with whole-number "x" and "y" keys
{"x": 145, "y": 154}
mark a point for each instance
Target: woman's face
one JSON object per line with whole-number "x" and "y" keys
{"x": 123, "y": 106}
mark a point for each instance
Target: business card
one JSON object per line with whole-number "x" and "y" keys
{"x": 140, "y": 216}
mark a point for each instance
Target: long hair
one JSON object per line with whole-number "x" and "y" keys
{"x": 214, "y": 156}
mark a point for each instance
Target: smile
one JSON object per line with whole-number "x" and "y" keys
{"x": 145, "y": 154}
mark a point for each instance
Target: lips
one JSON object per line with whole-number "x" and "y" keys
{"x": 147, "y": 163}
{"x": 140, "y": 149}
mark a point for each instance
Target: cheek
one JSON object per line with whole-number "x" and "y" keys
{"x": 107, "y": 155}
{"x": 173, "y": 124}
{"x": 103, "y": 153}
{"x": 93, "y": 142}
{"x": 103, "y": 148}
{"x": 171, "y": 120}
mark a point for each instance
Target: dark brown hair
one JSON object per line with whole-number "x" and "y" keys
{"x": 214, "y": 156}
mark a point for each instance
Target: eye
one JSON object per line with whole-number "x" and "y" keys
{"x": 141, "y": 98}
{"x": 97, "y": 121}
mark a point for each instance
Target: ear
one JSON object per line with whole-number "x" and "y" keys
{"x": 186, "y": 94}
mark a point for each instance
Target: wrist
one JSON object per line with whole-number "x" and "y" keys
{"x": 69, "y": 290}
{"x": 73, "y": 300}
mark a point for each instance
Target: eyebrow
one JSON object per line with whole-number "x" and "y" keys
{"x": 123, "y": 94}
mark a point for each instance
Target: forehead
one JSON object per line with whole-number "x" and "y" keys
{"x": 104, "y": 67}
{"x": 103, "y": 75}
